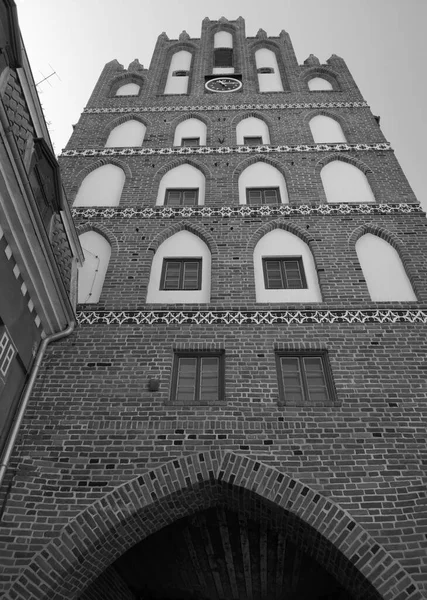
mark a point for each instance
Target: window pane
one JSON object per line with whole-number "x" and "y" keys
{"x": 254, "y": 196}
{"x": 292, "y": 382}
{"x": 271, "y": 196}
{"x": 223, "y": 57}
{"x": 252, "y": 141}
{"x": 190, "y": 141}
{"x": 173, "y": 197}
{"x": 293, "y": 275}
{"x": 172, "y": 275}
{"x": 273, "y": 275}
{"x": 189, "y": 197}
{"x": 191, "y": 275}
{"x": 209, "y": 379}
{"x": 186, "y": 379}
{"x": 315, "y": 378}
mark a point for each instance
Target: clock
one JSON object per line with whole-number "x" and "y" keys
{"x": 223, "y": 84}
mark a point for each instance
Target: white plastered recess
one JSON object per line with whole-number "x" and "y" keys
{"x": 102, "y": 187}
{"x": 128, "y": 89}
{"x": 268, "y": 82}
{"x": 181, "y": 245}
{"x": 343, "y": 182}
{"x": 181, "y": 61}
{"x": 127, "y": 135}
{"x": 184, "y": 176}
{"x": 285, "y": 244}
{"x": 91, "y": 275}
{"x": 383, "y": 270}
{"x": 326, "y": 130}
{"x": 190, "y": 128}
{"x": 259, "y": 175}
{"x": 318, "y": 83}
{"x": 251, "y": 126}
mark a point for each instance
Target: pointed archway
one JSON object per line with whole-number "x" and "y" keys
{"x": 138, "y": 508}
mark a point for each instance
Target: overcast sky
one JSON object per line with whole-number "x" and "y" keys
{"x": 382, "y": 41}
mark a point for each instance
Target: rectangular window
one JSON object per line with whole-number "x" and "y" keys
{"x": 181, "y": 274}
{"x": 252, "y": 140}
{"x": 305, "y": 379}
{"x": 198, "y": 378}
{"x": 284, "y": 273}
{"x": 263, "y": 195}
{"x": 181, "y": 197}
{"x": 223, "y": 57}
{"x": 190, "y": 142}
{"x": 7, "y": 352}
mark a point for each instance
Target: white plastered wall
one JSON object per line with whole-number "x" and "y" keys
{"x": 259, "y": 175}
{"x": 252, "y": 127}
{"x": 190, "y": 128}
{"x": 223, "y": 39}
{"x": 343, "y": 182}
{"x": 128, "y": 89}
{"x": 268, "y": 82}
{"x": 318, "y": 83}
{"x": 181, "y": 61}
{"x": 283, "y": 243}
{"x": 181, "y": 245}
{"x": 326, "y": 130}
{"x": 184, "y": 176}
{"x": 91, "y": 275}
{"x": 383, "y": 270}
{"x": 102, "y": 187}
{"x": 128, "y": 134}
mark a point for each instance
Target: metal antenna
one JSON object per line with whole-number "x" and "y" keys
{"x": 46, "y": 78}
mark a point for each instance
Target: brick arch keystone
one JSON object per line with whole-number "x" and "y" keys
{"x": 96, "y": 537}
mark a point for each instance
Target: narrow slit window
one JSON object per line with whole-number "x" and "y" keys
{"x": 180, "y": 73}
{"x": 284, "y": 273}
{"x": 181, "y": 274}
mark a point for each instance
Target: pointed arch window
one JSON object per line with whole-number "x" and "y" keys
{"x": 182, "y": 185}
{"x": 319, "y": 84}
{"x": 129, "y": 134}
{"x": 102, "y": 187}
{"x": 190, "y": 129}
{"x": 383, "y": 270}
{"x": 91, "y": 275}
{"x": 260, "y": 179}
{"x": 269, "y": 79}
{"x": 344, "y": 182}
{"x": 251, "y": 128}
{"x": 180, "y": 62}
{"x": 223, "y": 59}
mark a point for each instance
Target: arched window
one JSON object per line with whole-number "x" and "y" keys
{"x": 223, "y": 53}
{"x": 182, "y": 186}
{"x": 128, "y": 134}
{"x": 128, "y": 89}
{"x": 269, "y": 79}
{"x": 252, "y": 131}
{"x": 285, "y": 269}
{"x": 383, "y": 270}
{"x": 326, "y": 130}
{"x": 177, "y": 83}
{"x": 191, "y": 132}
{"x": 261, "y": 183}
{"x": 181, "y": 271}
{"x": 102, "y": 187}
{"x": 343, "y": 182}
{"x": 91, "y": 275}
{"x": 318, "y": 83}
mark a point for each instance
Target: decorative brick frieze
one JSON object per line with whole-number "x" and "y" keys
{"x": 264, "y": 149}
{"x": 226, "y": 107}
{"x": 244, "y": 210}
{"x": 237, "y": 317}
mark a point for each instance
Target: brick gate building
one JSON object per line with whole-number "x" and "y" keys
{"x": 241, "y": 410}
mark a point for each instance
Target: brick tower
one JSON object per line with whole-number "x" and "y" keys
{"x": 240, "y": 413}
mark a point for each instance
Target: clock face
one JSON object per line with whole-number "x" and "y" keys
{"x": 223, "y": 84}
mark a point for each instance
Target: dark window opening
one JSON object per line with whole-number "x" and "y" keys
{"x": 263, "y": 195}
{"x": 223, "y": 57}
{"x": 284, "y": 273}
{"x": 198, "y": 378}
{"x": 190, "y": 142}
{"x": 181, "y": 274}
{"x": 181, "y": 197}
{"x": 180, "y": 73}
{"x": 305, "y": 379}
{"x": 252, "y": 140}
{"x": 265, "y": 70}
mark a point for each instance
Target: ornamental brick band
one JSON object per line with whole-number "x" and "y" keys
{"x": 110, "y": 526}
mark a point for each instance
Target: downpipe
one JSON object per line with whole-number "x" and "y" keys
{"x": 11, "y": 441}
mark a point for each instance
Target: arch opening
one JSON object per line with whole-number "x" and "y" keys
{"x": 344, "y": 182}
